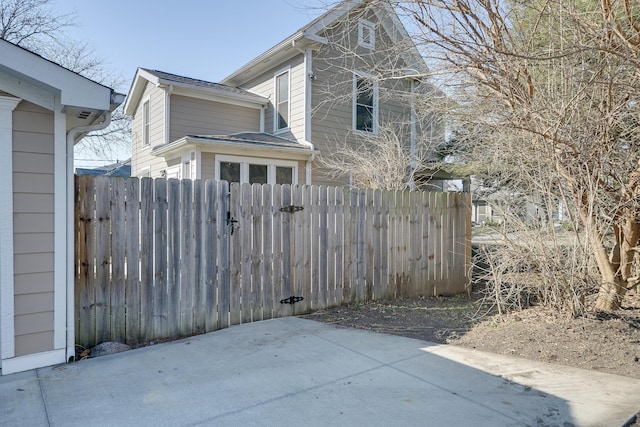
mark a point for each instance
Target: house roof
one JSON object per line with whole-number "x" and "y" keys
{"x": 242, "y": 140}
{"x": 122, "y": 169}
{"x": 187, "y": 86}
{"x": 38, "y": 80}
{"x": 309, "y": 35}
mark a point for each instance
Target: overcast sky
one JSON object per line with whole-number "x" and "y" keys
{"x": 205, "y": 39}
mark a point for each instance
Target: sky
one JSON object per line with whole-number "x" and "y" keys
{"x": 203, "y": 39}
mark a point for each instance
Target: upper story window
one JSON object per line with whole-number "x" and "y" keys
{"x": 366, "y": 34}
{"x": 365, "y": 103}
{"x": 255, "y": 170}
{"x": 282, "y": 101}
{"x": 145, "y": 123}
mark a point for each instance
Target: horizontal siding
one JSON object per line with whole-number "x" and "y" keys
{"x": 265, "y": 86}
{"x": 33, "y": 283}
{"x": 140, "y": 155}
{"x": 34, "y": 343}
{"x": 33, "y": 227}
{"x": 190, "y": 116}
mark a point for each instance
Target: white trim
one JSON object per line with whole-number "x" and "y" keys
{"x": 354, "y": 108}
{"x": 62, "y": 208}
{"x": 308, "y": 90}
{"x": 246, "y": 161}
{"x": 167, "y": 115}
{"x": 32, "y": 361}
{"x": 7, "y": 325}
{"x": 369, "y": 28}
{"x": 145, "y": 131}
{"x": 277, "y": 74}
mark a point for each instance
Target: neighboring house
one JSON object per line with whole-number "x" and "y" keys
{"x": 122, "y": 169}
{"x": 44, "y": 110}
{"x": 343, "y": 77}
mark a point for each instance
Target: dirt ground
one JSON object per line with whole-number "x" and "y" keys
{"x": 602, "y": 342}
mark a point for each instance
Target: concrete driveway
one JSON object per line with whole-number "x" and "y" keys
{"x": 297, "y": 372}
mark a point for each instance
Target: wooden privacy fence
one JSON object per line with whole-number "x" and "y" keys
{"x": 163, "y": 258}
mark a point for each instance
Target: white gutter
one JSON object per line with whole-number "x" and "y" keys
{"x": 71, "y": 136}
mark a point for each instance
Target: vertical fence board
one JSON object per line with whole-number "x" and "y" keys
{"x": 339, "y": 242}
{"x": 322, "y": 248}
{"x": 277, "y": 274}
{"x": 369, "y": 245}
{"x": 331, "y": 246}
{"x": 210, "y": 224}
{"x": 160, "y": 307}
{"x": 244, "y": 231}
{"x": 257, "y": 252}
{"x": 132, "y": 253}
{"x": 103, "y": 259}
{"x": 85, "y": 290}
{"x": 266, "y": 268}
{"x": 186, "y": 272}
{"x": 222, "y": 207}
{"x": 297, "y": 220}
{"x": 235, "y": 255}
{"x": 199, "y": 263}
{"x": 146, "y": 236}
{"x": 117, "y": 288}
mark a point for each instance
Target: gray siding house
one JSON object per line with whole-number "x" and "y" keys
{"x": 44, "y": 110}
{"x": 340, "y": 78}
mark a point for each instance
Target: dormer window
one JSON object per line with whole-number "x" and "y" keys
{"x": 282, "y": 101}
{"x": 367, "y": 34}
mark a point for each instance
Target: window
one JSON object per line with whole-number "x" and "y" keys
{"x": 255, "y": 170}
{"x": 282, "y": 101}
{"x": 365, "y": 108}
{"x": 230, "y": 171}
{"x": 145, "y": 123}
{"x": 367, "y": 34}
{"x": 186, "y": 170}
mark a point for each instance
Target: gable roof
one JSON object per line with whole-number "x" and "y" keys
{"x": 309, "y": 36}
{"x": 190, "y": 87}
{"x": 122, "y": 169}
{"x": 38, "y": 80}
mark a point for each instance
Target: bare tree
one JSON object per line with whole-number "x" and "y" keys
{"x": 551, "y": 92}
{"x": 36, "y": 25}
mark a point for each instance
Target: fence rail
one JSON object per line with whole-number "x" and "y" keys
{"x": 160, "y": 258}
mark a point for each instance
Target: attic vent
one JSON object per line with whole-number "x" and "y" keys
{"x": 84, "y": 114}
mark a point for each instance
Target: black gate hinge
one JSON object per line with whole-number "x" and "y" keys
{"x": 291, "y": 300}
{"x": 291, "y": 209}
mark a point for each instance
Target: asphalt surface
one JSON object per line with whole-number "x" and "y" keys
{"x": 298, "y": 372}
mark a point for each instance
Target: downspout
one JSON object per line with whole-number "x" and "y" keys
{"x": 309, "y": 77}
{"x": 71, "y": 135}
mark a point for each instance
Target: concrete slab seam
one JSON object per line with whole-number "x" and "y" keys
{"x": 44, "y": 400}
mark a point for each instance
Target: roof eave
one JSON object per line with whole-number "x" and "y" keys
{"x": 184, "y": 142}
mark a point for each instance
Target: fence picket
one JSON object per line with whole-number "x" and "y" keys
{"x": 160, "y": 259}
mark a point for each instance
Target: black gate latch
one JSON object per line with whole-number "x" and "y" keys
{"x": 231, "y": 221}
{"x": 291, "y": 209}
{"x": 291, "y": 300}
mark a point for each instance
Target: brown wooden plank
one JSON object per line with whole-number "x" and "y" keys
{"x": 377, "y": 244}
{"x": 393, "y": 246}
{"x": 103, "y": 259}
{"x": 266, "y": 268}
{"x": 244, "y": 230}
{"x": 257, "y": 252}
{"x": 322, "y": 247}
{"x": 132, "y": 252}
{"x": 384, "y": 245}
{"x": 297, "y": 225}
{"x": 340, "y": 246}
{"x": 118, "y": 245}
{"x": 186, "y": 269}
{"x": 235, "y": 242}
{"x": 287, "y": 285}
{"x": 277, "y": 281}
{"x": 353, "y": 246}
{"x": 199, "y": 259}
{"x": 361, "y": 257}
{"x": 207, "y": 291}
{"x": 331, "y": 246}
{"x": 160, "y": 295}
{"x": 315, "y": 249}
{"x": 146, "y": 236}
{"x": 85, "y": 290}
{"x": 173, "y": 257}
{"x": 222, "y": 201}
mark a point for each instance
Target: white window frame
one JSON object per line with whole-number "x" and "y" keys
{"x": 277, "y": 101}
{"x": 354, "y": 122}
{"x": 367, "y": 30}
{"x": 146, "y": 122}
{"x": 246, "y": 161}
